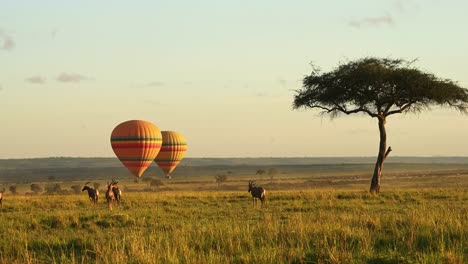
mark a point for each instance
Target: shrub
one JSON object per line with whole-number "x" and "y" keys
{"x": 12, "y": 189}
{"x": 220, "y": 179}
{"x": 76, "y": 189}
{"x": 36, "y": 188}
{"x": 53, "y": 188}
{"x": 156, "y": 183}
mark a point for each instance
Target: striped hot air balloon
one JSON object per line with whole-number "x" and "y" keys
{"x": 136, "y": 143}
{"x": 172, "y": 151}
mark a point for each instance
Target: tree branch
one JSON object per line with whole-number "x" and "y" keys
{"x": 357, "y": 110}
{"x": 343, "y": 109}
{"x": 389, "y": 106}
{"x": 324, "y": 108}
{"x": 399, "y": 111}
{"x": 460, "y": 107}
{"x": 387, "y": 152}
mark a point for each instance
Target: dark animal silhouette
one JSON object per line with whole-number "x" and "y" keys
{"x": 257, "y": 193}
{"x": 117, "y": 192}
{"x": 1, "y": 197}
{"x": 92, "y": 193}
{"x": 113, "y": 193}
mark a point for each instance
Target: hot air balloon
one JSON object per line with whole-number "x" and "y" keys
{"x": 172, "y": 151}
{"x": 136, "y": 143}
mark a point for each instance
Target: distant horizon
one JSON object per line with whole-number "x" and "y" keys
{"x": 259, "y": 157}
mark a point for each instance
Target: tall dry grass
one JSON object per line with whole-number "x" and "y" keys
{"x": 411, "y": 226}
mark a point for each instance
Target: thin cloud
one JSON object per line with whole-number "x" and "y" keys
{"x": 155, "y": 84}
{"x": 71, "y": 78}
{"x": 384, "y": 20}
{"x": 6, "y": 41}
{"x": 395, "y": 9}
{"x": 283, "y": 83}
{"x": 405, "y": 6}
{"x": 36, "y": 80}
{"x": 399, "y": 5}
{"x": 53, "y": 33}
{"x": 1, "y": 88}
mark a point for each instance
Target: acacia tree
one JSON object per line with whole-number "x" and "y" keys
{"x": 378, "y": 87}
{"x": 272, "y": 173}
{"x": 220, "y": 178}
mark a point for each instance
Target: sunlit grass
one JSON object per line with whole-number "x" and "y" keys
{"x": 409, "y": 226}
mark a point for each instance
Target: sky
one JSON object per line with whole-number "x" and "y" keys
{"x": 222, "y": 73}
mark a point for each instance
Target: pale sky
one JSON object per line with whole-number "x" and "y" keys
{"x": 222, "y": 73}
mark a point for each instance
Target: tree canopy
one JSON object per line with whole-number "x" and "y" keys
{"x": 378, "y": 87}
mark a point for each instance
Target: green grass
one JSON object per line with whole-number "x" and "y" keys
{"x": 309, "y": 226}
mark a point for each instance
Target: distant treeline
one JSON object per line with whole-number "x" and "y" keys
{"x": 71, "y": 162}
{"x": 85, "y": 169}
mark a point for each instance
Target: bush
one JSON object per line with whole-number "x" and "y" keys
{"x": 272, "y": 172}
{"x": 12, "y": 189}
{"x": 76, "y": 189}
{"x": 260, "y": 172}
{"x": 36, "y": 188}
{"x": 220, "y": 179}
{"x": 53, "y": 188}
{"x": 156, "y": 183}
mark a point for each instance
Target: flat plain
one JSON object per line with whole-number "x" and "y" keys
{"x": 314, "y": 214}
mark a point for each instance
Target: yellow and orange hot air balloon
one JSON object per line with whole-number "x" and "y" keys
{"x": 172, "y": 151}
{"x": 136, "y": 143}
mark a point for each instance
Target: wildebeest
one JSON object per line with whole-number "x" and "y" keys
{"x": 257, "y": 193}
{"x": 113, "y": 193}
{"x": 92, "y": 193}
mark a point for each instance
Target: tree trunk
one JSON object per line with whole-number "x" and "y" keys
{"x": 375, "y": 183}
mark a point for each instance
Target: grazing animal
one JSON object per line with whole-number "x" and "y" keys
{"x": 113, "y": 193}
{"x": 1, "y": 197}
{"x": 92, "y": 193}
{"x": 117, "y": 192}
{"x": 257, "y": 193}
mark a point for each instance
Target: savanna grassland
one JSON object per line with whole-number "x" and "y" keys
{"x": 313, "y": 226}
{"x": 319, "y": 217}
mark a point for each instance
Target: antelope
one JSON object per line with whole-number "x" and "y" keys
{"x": 117, "y": 191}
{"x": 113, "y": 193}
{"x": 1, "y": 197}
{"x": 257, "y": 192}
{"x": 92, "y": 193}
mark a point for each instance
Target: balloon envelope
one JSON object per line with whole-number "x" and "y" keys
{"x": 136, "y": 143}
{"x": 172, "y": 151}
